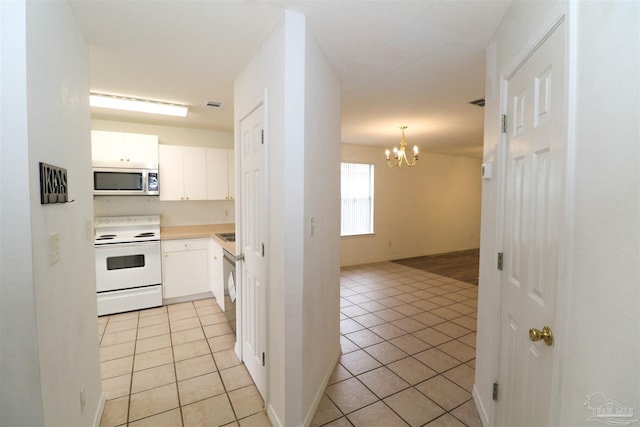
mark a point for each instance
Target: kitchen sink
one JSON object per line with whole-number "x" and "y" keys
{"x": 227, "y": 237}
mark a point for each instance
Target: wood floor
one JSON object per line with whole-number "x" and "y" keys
{"x": 462, "y": 265}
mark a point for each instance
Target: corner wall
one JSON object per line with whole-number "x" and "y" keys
{"x": 296, "y": 133}
{"x": 321, "y": 300}
{"x": 56, "y": 302}
{"x": 601, "y": 352}
{"x": 20, "y": 397}
{"x": 431, "y": 208}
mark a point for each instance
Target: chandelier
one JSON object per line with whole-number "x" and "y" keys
{"x": 400, "y": 156}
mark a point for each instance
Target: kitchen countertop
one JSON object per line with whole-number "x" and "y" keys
{"x": 173, "y": 232}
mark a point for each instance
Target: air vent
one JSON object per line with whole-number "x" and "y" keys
{"x": 214, "y": 104}
{"x": 478, "y": 102}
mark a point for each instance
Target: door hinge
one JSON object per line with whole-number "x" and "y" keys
{"x": 263, "y": 359}
{"x": 500, "y": 260}
{"x": 495, "y": 391}
{"x": 263, "y": 249}
{"x": 503, "y": 123}
{"x": 262, "y": 136}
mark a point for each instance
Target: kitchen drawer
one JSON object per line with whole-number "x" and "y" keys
{"x": 184, "y": 245}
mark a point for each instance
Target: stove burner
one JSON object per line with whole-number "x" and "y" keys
{"x": 146, "y": 234}
{"x": 126, "y": 229}
{"x": 106, "y": 237}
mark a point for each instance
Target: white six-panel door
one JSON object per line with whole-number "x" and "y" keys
{"x": 252, "y": 240}
{"x": 534, "y": 198}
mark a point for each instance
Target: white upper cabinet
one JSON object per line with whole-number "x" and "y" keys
{"x": 182, "y": 173}
{"x": 196, "y": 173}
{"x": 123, "y": 149}
{"x": 220, "y": 174}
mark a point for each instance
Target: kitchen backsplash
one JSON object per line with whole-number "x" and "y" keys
{"x": 171, "y": 213}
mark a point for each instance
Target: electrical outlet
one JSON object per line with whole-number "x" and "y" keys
{"x": 54, "y": 248}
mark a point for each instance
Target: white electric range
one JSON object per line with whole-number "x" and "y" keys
{"x": 128, "y": 263}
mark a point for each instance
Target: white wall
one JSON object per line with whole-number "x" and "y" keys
{"x": 20, "y": 397}
{"x": 48, "y": 315}
{"x": 602, "y": 317}
{"x": 263, "y": 81}
{"x": 599, "y": 324}
{"x": 321, "y": 301}
{"x": 172, "y": 212}
{"x": 431, "y": 208}
{"x": 302, "y": 122}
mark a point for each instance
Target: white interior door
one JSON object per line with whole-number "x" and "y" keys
{"x": 535, "y": 171}
{"x": 252, "y": 240}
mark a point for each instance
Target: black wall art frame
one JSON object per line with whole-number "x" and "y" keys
{"x": 53, "y": 184}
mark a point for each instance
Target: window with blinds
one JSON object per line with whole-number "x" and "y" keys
{"x": 356, "y": 188}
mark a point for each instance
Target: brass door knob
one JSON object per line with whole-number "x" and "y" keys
{"x": 545, "y": 334}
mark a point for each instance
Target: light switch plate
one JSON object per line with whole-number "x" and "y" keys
{"x": 487, "y": 171}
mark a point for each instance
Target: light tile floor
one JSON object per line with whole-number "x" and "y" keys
{"x": 408, "y": 342}
{"x": 175, "y": 366}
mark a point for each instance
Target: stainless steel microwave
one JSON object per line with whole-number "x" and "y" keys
{"x": 125, "y": 182}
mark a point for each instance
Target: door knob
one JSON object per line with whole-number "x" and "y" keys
{"x": 545, "y": 334}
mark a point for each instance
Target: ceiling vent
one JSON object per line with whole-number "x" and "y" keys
{"x": 478, "y": 102}
{"x": 214, "y": 104}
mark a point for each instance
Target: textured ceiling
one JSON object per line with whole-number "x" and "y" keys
{"x": 416, "y": 63}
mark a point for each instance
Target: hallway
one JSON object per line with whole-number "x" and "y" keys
{"x": 408, "y": 341}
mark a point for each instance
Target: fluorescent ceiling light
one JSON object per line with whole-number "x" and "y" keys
{"x": 139, "y": 105}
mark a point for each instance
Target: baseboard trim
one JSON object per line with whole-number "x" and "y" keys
{"x": 318, "y": 397}
{"x": 354, "y": 263}
{"x": 98, "y": 417}
{"x": 484, "y": 418}
{"x": 187, "y": 298}
{"x": 273, "y": 417}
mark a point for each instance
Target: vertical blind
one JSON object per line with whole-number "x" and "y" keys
{"x": 356, "y": 188}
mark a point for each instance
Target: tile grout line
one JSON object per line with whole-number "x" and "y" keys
{"x": 133, "y": 364}
{"x": 224, "y": 386}
{"x": 175, "y": 370}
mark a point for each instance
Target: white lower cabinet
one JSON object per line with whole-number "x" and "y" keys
{"x": 217, "y": 282}
{"x": 185, "y": 267}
